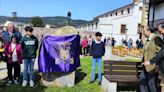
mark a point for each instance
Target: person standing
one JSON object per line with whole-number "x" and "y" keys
{"x": 85, "y": 45}
{"x": 2, "y": 51}
{"x": 29, "y": 45}
{"x": 148, "y": 77}
{"x": 8, "y": 32}
{"x": 89, "y": 44}
{"x": 130, "y": 43}
{"x": 108, "y": 48}
{"x": 113, "y": 42}
{"x": 14, "y": 53}
{"x": 159, "y": 58}
{"x": 98, "y": 50}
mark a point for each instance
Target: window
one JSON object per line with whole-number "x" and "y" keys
{"x": 128, "y": 10}
{"x": 140, "y": 8}
{"x": 122, "y": 12}
{"x": 116, "y": 13}
{"x": 123, "y": 29}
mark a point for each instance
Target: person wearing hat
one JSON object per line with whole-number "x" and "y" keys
{"x": 29, "y": 45}
{"x": 14, "y": 53}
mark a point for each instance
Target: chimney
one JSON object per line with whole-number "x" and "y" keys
{"x": 135, "y": 1}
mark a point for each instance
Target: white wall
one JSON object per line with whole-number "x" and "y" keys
{"x": 111, "y": 26}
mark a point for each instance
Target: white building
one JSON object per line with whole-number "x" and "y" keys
{"x": 156, "y": 12}
{"x": 17, "y": 24}
{"x": 50, "y": 26}
{"x": 121, "y": 23}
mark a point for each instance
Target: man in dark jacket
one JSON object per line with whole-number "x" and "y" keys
{"x": 29, "y": 45}
{"x": 159, "y": 58}
{"x": 98, "y": 50}
{"x": 10, "y": 32}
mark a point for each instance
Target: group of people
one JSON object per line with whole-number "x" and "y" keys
{"x": 153, "y": 57}
{"x": 86, "y": 44}
{"x": 129, "y": 44}
{"x": 15, "y": 50}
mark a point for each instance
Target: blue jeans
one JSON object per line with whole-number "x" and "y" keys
{"x": 28, "y": 63}
{"x": 94, "y": 60}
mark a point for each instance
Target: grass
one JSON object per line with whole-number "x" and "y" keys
{"x": 83, "y": 75}
{"x": 132, "y": 59}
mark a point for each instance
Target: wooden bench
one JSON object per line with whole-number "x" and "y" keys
{"x": 122, "y": 73}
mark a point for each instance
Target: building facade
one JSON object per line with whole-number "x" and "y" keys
{"x": 156, "y": 12}
{"x": 121, "y": 23}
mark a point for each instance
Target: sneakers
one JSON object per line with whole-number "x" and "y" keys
{"x": 99, "y": 83}
{"x": 16, "y": 82}
{"x": 31, "y": 83}
{"x": 9, "y": 82}
{"x": 24, "y": 83}
{"x": 91, "y": 82}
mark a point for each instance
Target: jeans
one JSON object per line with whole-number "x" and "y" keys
{"x": 28, "y": 63}
{"x": 94, "y": 60}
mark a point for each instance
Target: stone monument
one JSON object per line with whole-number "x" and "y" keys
{"x": 60, "y": 79}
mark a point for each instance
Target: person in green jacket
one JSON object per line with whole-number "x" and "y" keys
{"x": 159, "y": 58}
{"x": 29, "y": 45}
{"x": 148, "y": 77}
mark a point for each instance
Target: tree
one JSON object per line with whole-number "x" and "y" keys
{"x": 37, "y": 21}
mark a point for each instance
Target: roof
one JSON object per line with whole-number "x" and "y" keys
{"x": 114, "y": 10}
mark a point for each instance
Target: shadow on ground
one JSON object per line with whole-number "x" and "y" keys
{"x": 79, "y": 76}
{"x": 18, "y": 88}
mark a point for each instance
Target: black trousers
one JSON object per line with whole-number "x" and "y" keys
{"x": 148, "y": 81}
{"x": 89, "y": 50}
{"x": 16, "y": 67}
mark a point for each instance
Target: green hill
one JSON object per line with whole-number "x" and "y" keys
{"x": 56, "y": 20}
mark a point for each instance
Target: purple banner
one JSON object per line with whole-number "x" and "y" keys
{"x": 59, "y": 54}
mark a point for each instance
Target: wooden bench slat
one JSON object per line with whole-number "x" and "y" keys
{"x": 120, "y": 63}
{"x": 122, "y": 72}
{"x": 122, "y": 78}
{"x": 120, "y": 68}
{"x": 119, "y": 73}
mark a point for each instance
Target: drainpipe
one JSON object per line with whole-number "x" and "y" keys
{"x": 154, "y": 6}
{"x": 149, "y": 13}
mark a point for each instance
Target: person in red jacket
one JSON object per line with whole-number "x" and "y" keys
{"x": 14, "y": 53}
{"x": 85, "y": 45}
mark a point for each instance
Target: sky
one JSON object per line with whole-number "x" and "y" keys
{"x": 80, "y": 9}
